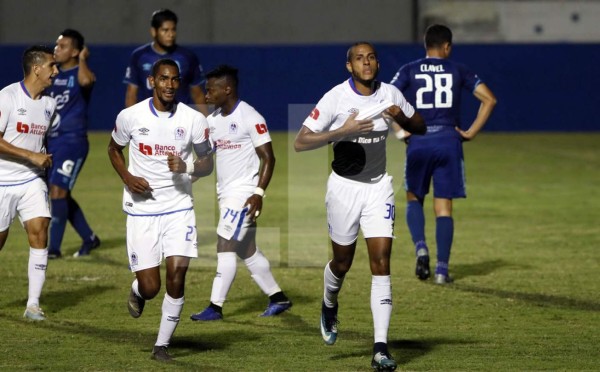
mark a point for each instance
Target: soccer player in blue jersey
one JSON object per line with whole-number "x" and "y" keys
{"x": 434, "y": 85}
{"x": 164, "y": 33}
{"x": 68, "y": 142}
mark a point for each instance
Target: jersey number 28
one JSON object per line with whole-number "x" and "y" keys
{"x": 440, "y": 85}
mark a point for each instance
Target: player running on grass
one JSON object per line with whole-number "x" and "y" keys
{"x": 359, "y": 190}
{"x": 245, "y": 163}
{"x": 157, "y": 197}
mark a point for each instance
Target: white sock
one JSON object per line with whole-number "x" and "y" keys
{"x": 332, "y": 286}
{"x": 171, "y": 309}
{"x": 226, "y": 269}
{"x": 260, "y": 270}
{"x": 38, "y": 262}
{"x": 136, "y": 288}
{"x": 381, "y": 306}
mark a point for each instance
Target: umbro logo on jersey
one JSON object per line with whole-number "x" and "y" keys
{"x": 233, "y": 127}
{"x": 147, "y": 66}
{"x": 143, "y": 131}
{"x": 353, "y": 111}
{"x": 22, "y": 111}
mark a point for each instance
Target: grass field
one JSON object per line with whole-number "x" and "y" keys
{"x": 525, "y": 260}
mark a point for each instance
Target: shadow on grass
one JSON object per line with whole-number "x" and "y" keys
{"x": 533, "y": 298}
{"x": 405, "y": 351}
{"x": 59, "y": 300}
{"x": 481, "y": 268}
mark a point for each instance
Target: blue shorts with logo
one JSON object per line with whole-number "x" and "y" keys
{"x": 439, "y": 158}
{"x": 68, "y": 157}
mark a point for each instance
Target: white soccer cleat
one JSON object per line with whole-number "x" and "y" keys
{"x": 34, "y": 312}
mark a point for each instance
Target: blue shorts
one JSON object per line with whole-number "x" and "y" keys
{"x": 440, "y": 159}
{"x": 68, "y": 158}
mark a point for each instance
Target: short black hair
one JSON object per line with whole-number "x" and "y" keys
{"x": 349, "y": 52}
{"x": 162, "y": 62}
{"x": 162, "y": 15}
{"x": 74, "y": 35}
{"x": 35, "y": 55}
{"x": 437, "y": 35}
{"x": 227, "y": 71}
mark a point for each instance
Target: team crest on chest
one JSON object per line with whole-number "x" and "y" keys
{"x": 179, "y": 133}
{"x": 233, "y": 128}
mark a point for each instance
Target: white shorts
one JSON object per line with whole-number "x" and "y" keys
{"x": 149, "y": 238}
{"x": 351, "y": 204}
{"x": 233, "y": 221}
{"x": 28, "y": 200}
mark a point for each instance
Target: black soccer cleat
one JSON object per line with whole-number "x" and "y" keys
{"x": 422, "y": 268}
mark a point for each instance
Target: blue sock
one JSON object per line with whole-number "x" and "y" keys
{"x": 60, "y": 214}
{"x": 415, "y": 219}
{"x": 444, "y": 233}
{"x": 78, "y": 221}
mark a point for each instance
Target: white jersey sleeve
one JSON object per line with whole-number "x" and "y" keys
{"x": 6, "y": 106}
{"x": 200, "y": 135}
{"x": 400, "y": 101}
{"x": 257, "y": 127}
{"x": 122, "y": 129}
{"x": 323, "y": 115}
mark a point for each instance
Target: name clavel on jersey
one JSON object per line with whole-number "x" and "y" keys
{"x": 432, "y": 68}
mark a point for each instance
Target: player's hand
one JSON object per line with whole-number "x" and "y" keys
{"x": 254, "y": 205}
{"x": 466, "y": 135}
{"x": 176, "y": 164}
{"x": 396, "y": 113}
{"x": 137, "y": 185}
{"x": 84, "y": 54}
{"x": 353, "y": 126}
{"x": 41, "y": 160}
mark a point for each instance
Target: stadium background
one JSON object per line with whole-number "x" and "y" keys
{"x": 539, "y": 57}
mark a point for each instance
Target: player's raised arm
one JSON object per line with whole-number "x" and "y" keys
{"x": 309, "y": 140}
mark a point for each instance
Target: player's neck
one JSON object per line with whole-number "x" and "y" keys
{"x": 33, "y": 86}
{"x": 72, "y": 62}
{"x": 162, "y": 106}
{"x": 364, "y": 87}
{"x": 161, "y": 49}
{"x": 229, "y": 106}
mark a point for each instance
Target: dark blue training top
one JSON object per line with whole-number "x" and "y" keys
{"x": 71, "y": 104}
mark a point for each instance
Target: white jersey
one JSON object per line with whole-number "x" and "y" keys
{"x": 362, "y": 157}
{"x": 235, "y": 138}
{"x": 24, "y": 122}
{"x": 152, "y": 136}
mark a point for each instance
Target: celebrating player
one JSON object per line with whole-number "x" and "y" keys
{"x": 157, "y": 197}
{"x": 359, "y": 191}
{"x": 163, "y": 28}
{"x": 245, "y": 163}
{"x": 434, "y": 85}
{"x": 68, "y": 142}
{"x": 25, "y": 117}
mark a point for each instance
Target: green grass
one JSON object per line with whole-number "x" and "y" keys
{"x": 525, "y": 260}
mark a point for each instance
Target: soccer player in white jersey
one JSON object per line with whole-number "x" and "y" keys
{"x": 359, "y": 191}
{"x": 245, "y": 163}
{"x": 157, "y": 197}
{"x": 25, "y": 117}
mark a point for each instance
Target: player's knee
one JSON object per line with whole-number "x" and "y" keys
{"x": 380, "y": 266}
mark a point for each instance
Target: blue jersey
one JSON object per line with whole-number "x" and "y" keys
{"x": 433, "y": 86}
{"x": 72, "y": 104}
{"x": 140, "y": 67}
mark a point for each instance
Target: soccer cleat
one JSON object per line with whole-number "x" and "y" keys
{"x": 86, "y": 247}
{"x": 329, "y": 323}
{"x": 275, "y": 308}
{"x": 54, "y": 255}
{"x": 422, "y": 267}
{"x": 160, "y": 354}
{"x": 383, "y": 362}
{"x": 135, "y": 304}
{"x": 207, "y": 314}
{"x": 34, "y": 312}
{"x": 443, "y": 279}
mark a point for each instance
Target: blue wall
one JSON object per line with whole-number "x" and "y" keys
{"x": 540, "y": 87}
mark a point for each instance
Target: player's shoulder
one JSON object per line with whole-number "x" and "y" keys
{"x": 185, "y": 52}
{"x": 142, "y": 49}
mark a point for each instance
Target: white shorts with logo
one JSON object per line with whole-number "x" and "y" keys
{"x": 28, "y": 200}
{"x": 352, "y": 204}
{"x": 233, "y": 221}
{"x": 150, "y": 238}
